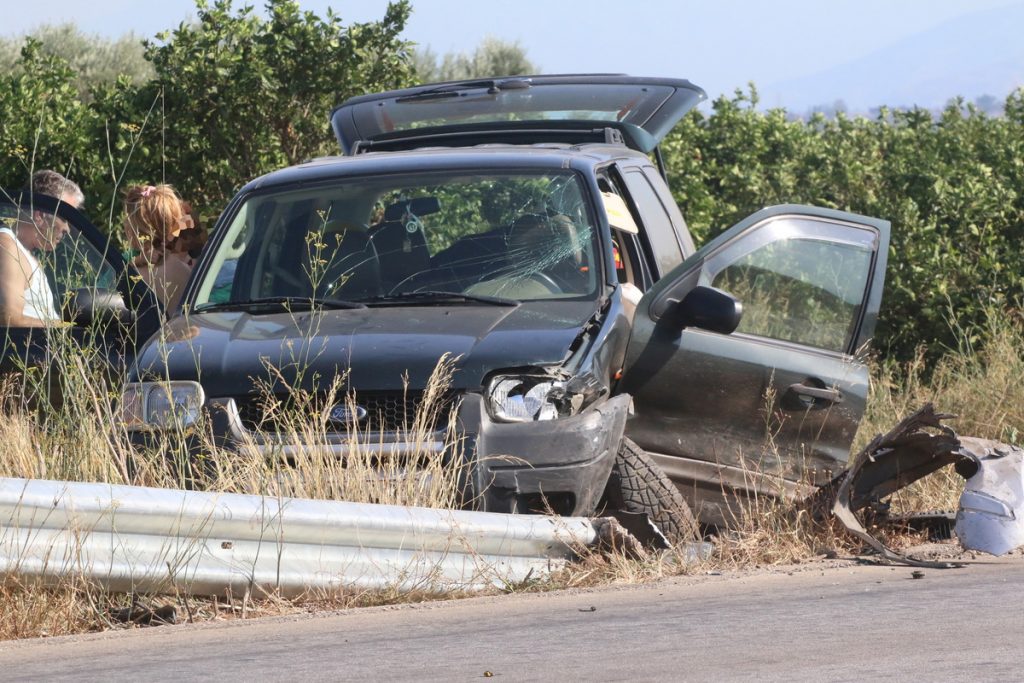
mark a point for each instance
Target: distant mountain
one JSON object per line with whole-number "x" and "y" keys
{"x": 974, "y": 55}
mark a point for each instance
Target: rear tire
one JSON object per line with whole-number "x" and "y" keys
{"x": 637, "y": 485}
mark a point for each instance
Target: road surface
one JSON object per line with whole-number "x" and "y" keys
{"x": 854, "y": 623}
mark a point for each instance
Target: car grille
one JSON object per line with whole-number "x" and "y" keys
{"x": 385, "y": 411}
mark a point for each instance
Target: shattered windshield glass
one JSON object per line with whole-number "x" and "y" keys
{"x": 498, "y": 236}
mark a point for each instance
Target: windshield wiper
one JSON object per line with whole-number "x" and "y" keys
{"x": 493, "y": 85}
{"x": 279, "y": 303}
{"x": 439, "y": 297}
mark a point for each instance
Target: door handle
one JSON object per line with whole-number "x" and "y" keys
{"x": 818, "y": 393}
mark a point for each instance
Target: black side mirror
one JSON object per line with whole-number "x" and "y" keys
{"x": 709, "y": 309}
{"x": 99, "y": 306}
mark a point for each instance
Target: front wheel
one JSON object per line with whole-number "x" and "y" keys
{"x": 637, "y": 485}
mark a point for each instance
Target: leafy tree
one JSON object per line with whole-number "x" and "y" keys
{"x": 236, "y": 94}
{"x": 45, "y": 122}
{"x": 950, "y": 183}
{"x": 232, "y": 96}
{"x": 241, "y": 95}
{"x": 492, "y": 57}
{"x": 94, "y": 59}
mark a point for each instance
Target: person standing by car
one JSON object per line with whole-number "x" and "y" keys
{"x": 54, "y": 184}
{"x": 190, "y": 242}
{"x": 26, "y": 299}
{"x": 153, "y": 219}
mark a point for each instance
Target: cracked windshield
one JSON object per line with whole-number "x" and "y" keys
{"x": 511, "y": 236}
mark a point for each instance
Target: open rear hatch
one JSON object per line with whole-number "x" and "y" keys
{"x": 637, "y": 112}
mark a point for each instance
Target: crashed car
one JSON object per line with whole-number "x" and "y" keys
{"x": 520, "y": 225}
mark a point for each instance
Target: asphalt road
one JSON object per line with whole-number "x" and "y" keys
{"x": 856, "y": 624}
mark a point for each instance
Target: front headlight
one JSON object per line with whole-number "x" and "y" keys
{"x": 527, "y": 399}
{"x": 161, "y": 404}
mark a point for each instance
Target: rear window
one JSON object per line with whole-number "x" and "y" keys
{"x": 584, "y": 102}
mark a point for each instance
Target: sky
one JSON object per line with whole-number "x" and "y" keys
{"x": 721, "y": 45}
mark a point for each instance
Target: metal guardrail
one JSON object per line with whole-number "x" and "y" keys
{"x": 150, "y": 540}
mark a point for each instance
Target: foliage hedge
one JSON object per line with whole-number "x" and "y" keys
{"x": 951, "y": 183}
{"x": 236, "y": 94}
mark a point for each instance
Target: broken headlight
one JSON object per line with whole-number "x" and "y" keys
{"x": 528, "y": 399}
{"x": 161, "y": 404}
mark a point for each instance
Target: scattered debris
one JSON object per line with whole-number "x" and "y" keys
{"x": 919, "y": 445}
{"x": 613, "y": 536}
{"x": 991, "y": 514}
{"x": 145, "y": 616}
{"x": 638, "y": 526}
{"x": 917, "y": 574}
{"x": 938, "y": 524}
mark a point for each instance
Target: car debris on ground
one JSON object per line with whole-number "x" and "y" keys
{"x": 989, "y": 516}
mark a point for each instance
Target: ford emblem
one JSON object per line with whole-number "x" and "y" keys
{"x": 347, "y": 413}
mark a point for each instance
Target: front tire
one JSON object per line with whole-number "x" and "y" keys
{"x": 637, "y": 485}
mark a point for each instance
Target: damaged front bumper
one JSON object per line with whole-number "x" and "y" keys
{"x": 990, "y": 517}
{"x": 560, "y": 466}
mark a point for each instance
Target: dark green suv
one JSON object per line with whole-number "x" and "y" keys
{"x": 521, "y": 226}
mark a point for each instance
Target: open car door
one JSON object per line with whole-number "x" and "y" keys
{"x": 101, "y": 302}
{"x": 784, "y": 393}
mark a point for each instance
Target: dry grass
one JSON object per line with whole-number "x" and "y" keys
{"x": 64, "y": 425}
{"x": 983, "y": 388}
{"x": 986, "y": 389}
{"x": 33, "y": 609}
{"x": 290, "y": 455}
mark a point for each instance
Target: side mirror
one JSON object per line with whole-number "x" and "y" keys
{"x": 709, "y": 309}
{"x": 99, "y": 306}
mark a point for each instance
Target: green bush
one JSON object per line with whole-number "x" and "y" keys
{"x": 950, "y": 183}
{"x": 235, "y": 94}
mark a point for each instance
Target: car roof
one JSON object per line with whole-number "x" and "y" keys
{"x": 548, "y": 156}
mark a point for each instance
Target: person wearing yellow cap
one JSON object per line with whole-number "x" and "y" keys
{"x": 153, "y": 218}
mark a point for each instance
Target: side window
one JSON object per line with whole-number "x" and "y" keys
{"x": 669, "y": 202}
{"x": 74, "y": 264}
{"x": 630, "y": 265}
{"x": 656, "y": 223}
{"x": 799, "y": 287}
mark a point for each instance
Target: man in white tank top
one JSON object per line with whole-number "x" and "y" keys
{"x": 25, "y": 296}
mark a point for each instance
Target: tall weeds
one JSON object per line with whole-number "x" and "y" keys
{"x": 983, "y": 387}
{"x": 72, "y": 431}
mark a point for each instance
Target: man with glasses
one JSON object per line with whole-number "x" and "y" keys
{"x": 26, "y": 299}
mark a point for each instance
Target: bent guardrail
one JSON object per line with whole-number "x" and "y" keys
{"x": 155, "y": 540}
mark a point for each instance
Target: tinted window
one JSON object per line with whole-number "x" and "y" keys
{"x": 800, "y": 290}
{"x": 669, "y": 202}
{"x": 656, "y": 223}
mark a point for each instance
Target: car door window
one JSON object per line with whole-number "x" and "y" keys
{"x": 657, "y": 226}
{"x": 797, "y": 282}
{"x": 76, "y": 264}
{"x": 668, "y": 201}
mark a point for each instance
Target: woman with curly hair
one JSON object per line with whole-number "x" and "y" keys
{"x": 153, "y": 219}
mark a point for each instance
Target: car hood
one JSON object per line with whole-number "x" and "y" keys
{"x": 232, "y": 353}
